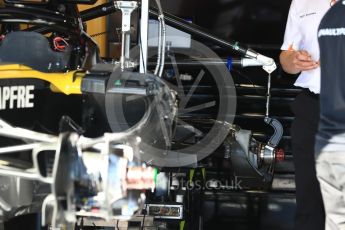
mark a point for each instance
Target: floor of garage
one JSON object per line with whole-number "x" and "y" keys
{"x": 273, "y": 211}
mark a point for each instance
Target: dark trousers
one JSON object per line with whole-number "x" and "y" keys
{"x": 309, "y": 211}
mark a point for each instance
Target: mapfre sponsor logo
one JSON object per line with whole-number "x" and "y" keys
{"x": 16, "y": 97}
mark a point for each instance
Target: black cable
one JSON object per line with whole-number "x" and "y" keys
{"x": 250, "y": 81}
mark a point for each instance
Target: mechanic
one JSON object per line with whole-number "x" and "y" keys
{"x": 330, "y": 139}
{"x": 300, "y": 54}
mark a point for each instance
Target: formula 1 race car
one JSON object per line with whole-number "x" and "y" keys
{"x": 83, "y": 136}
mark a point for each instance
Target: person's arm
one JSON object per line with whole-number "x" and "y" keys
{"x": 292, "y": 58}
{"x": 294, "y": 62}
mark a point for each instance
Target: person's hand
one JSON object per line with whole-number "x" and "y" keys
{"x": 294, "y": 62}
{"x": 302, "y": 61}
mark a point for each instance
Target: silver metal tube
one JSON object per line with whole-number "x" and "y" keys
{"x": 17, "y": 148}
{"x": 122, "y": 58}
{"x": 127, "y": 45}
{"x": 85, "y": 143}
{"x": 4, "y": 124}
{"x": 19, "y": 173}
{"x": 250, "y": 62}
{"x": 4, "y": 205}
{"x": 144, "y": 35}
{"x": 159, "y": 46}
{"x": 49, "y": 199}
{"x": 268, "y": 95}
{"x": 163, "y": 47}
{"x": 161, "y": 41}
{"x": 19, "y": 133}
{"x": 251, "y": 54}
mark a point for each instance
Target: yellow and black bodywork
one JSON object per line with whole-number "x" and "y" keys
{"x": 66, "y": 83}
{"x": 37, "y": 100}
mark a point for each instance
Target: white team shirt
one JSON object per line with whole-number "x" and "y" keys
{"x": 301, "y": 34}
